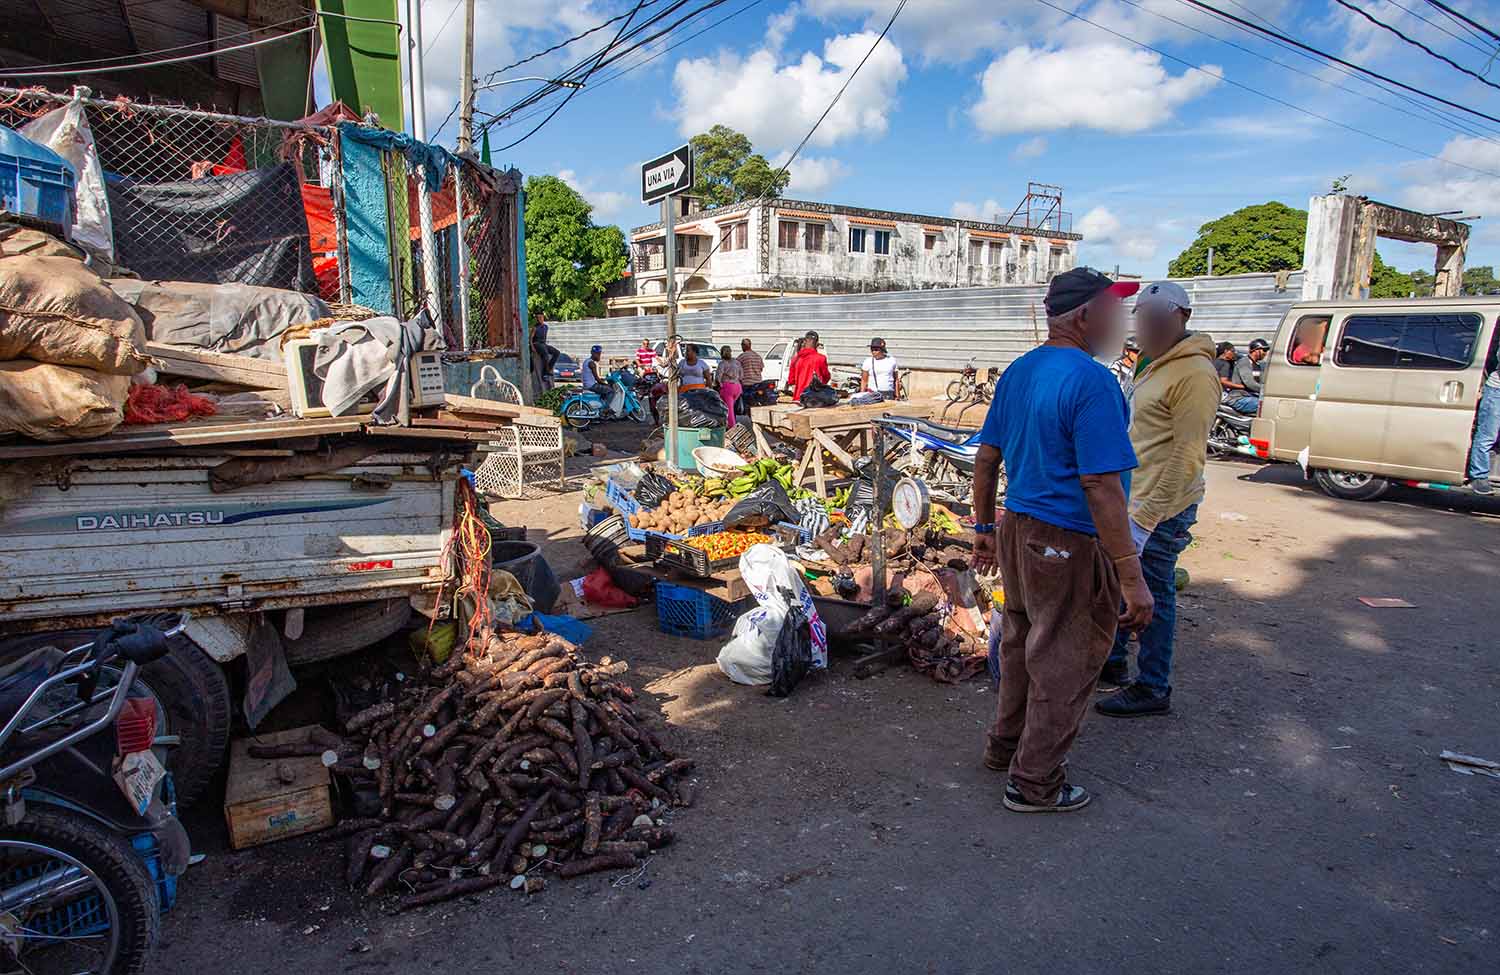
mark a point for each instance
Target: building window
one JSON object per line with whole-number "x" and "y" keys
{"x": 929, "y": 241}
{"x": 726, "y": 238}
{"x": 882, "y": 241}
{"x": 857, "y": 240}
{"x": 1408, "y": 341}
{"x": 786, "y": 234}
{"x": 741, "y": 236}
{"x": 813, "y": 237}
{"x": 997, "y": 252}
{"x": 976, "y": 252}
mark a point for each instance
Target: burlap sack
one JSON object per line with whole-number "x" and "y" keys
{"x": 48, "y": 402}
{"x": 56, "y": 310}
{"x": 16, "y": 240}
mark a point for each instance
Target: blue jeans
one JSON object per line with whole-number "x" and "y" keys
{"x": 1486, "y": 429}
{"x": 1159, "y": 566}
{"x": 1246, "y": 404}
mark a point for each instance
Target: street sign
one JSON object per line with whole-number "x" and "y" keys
{"x": 672, "y": 173}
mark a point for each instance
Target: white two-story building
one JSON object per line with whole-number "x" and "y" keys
{"x": 791, "y": 247}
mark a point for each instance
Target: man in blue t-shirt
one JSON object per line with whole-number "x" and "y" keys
{"x": 1064, "y": 548}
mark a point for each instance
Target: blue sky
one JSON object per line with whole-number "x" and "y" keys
{"x": 967, "y": 100}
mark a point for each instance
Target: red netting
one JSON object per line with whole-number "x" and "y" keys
{"x": 165, "y": 404}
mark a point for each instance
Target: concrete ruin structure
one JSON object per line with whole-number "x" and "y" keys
{"x": 787, "y": 248}
{"x": 1340, "y": 248}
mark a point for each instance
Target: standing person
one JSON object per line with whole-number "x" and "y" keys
{"x": 1173, "y": 403}
{"x": 693, "y": 371}
{"x": 810, "y": 364}
{"x": 1486, "y": 429}
{"x": 1064, "y": 547}
{"x": 543, "y": 356}
{"x": 645, "y": 357}
{"x": 591, "y": 375}
{"x": 752, "y": 366}
{"x": 1248, "y": 399}
{"x": 1124, "y": 366}
{"x": 878, "y": 372}
{"x": 730, "y": 375}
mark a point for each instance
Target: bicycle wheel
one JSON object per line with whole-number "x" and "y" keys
{"x": 78, "y": 898}
{"x": 955, "y": 391}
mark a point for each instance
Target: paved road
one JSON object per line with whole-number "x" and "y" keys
{"x": 1290, "y": 816}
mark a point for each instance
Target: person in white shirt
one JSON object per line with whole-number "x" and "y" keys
{"x": 878, "y": 372}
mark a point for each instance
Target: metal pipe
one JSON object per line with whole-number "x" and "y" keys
{"x": 166, "y": 110}
{"x": 424, "y": 195}
{"x": 674, "y": 376}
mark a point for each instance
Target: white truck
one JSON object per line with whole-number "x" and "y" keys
{"x": 331, "y": 560}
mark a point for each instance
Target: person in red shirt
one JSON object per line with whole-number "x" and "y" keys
{"x": 808, "y": 365}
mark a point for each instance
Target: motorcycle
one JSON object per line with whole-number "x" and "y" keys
{"x": 967, "y": 386}
{"x": 757, "y": 394}
{"x": 588, "y": 406}
{"x": 1230, "y": 433}
{"x": 91, "y": 846}
{"x": 939, "y": 455}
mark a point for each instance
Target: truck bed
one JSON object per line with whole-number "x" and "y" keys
{"x": 134, "y": 534}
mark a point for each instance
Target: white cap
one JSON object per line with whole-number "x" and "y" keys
{"x": 1167, "y": 295}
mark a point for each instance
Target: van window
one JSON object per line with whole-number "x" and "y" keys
{"x": 1408, "y": 341}
{"x": 1306, "y": 346}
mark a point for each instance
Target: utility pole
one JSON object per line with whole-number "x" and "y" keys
{"x": 424, "y": 195}
{"x": 466, "y": 84}
{"x": 674, "y": 378}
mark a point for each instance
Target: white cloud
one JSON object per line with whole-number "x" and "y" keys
{"x": 607, "y": 204}
{"x": 988, "y": 211}
{"x": 1029, "y": 149}
{"x": 779, "y": 25}
{"x": 775, "y": 102}
{"x": 812, "y": 174}
{"x": 1100, "y": 227}
{"x": 1437, "y": 185}
{"x": 1099, "y": 86}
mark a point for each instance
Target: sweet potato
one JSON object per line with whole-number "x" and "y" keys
{"x": 593, "y": 823}
{"x": 517, "y": 831}
{"x": 370, "y": 715}
{"x": 602, "y": 861}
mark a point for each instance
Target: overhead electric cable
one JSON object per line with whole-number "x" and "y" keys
{"x": 1415, "y": 43}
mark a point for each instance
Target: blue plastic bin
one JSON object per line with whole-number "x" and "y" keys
{"x": 683, "y": 611}
{"x": 35, "y": 181}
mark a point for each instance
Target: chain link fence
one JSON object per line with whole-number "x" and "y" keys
{"x": 199, "y": 196}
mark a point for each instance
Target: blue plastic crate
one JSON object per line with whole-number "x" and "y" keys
{"x": 682, "y": 611}
{"x": 166, "y": 886}
{"x": 35, "y": 181}
{"x": 639, "y": 534}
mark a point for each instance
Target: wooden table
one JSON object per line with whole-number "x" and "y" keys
{"x": 727, "y": 584}
{"x": 842, "y": 431}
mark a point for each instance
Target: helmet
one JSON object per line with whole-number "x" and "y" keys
{"x": 1259, "y": 344}
{"x": 1131, "y": 345}
{"x": 597, "y": 348}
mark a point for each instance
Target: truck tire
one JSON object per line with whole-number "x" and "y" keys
{"x": 193, "y": 691}
{"x": 341, "y": 630}
{"x": 1351, "y": 485}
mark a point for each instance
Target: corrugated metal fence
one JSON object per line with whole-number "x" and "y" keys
{"x": 936, "y": 329}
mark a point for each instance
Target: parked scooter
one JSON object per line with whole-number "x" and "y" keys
{"x": 757, "y": 394}
{"x": 941, "y": 456}
{"x": 91, "y": 846}
{"x": 588, "y": 406}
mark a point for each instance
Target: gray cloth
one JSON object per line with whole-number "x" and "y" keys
{"x": 240, "y": 319}
{"x": 1244, "y": 374}
{"x": 355, "y": 357}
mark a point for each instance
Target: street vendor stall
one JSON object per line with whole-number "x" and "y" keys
{"x": 841, "y": 432}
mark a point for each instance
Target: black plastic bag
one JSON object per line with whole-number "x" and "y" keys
{"x": 705, "y": 401}
{"x": 791, "y": 658}
{"x": 766, "y": 505}
{"x": 652, "y": 490}
{"x": 819, "y": 393}
{"x": 689, "y": 417}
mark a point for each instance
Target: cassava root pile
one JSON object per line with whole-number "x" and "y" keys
{"x": 513, "y": 755}
{"x": 944, "y": 653}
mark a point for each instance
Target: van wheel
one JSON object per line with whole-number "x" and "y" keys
{"x": 1351, "y": 485}
{"x": 193, "y": 691}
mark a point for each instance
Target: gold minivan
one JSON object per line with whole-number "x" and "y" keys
{"x": 1363, "y": 394}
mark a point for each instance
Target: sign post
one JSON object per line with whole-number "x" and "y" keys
{"x": 661, "y": 180}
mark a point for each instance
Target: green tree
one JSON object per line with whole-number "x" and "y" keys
{"x": 1265, "y": 237}
{"x": 569, "y": 260}
{"x": 1387, "y": 282}
{"x": 1422, "y": 283}
{"x": 1480, "y": 280}
{"x": 728, "y": 170}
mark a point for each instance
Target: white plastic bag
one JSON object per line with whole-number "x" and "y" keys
{"x": 66, "y": 132}
{"x": 746, "y": 658}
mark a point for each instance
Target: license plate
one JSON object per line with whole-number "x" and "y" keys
{"x": 138, "y": 775}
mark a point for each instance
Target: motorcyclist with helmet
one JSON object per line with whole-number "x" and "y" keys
{"x": 1247, "y": 398}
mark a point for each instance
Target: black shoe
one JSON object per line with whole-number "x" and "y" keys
{"x": 1135, "y": 701}
{"x": 1113, "y": 677}
{"x": 1069, "y": 798}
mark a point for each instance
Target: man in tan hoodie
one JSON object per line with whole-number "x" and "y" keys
{"x": 1172, "y": 406}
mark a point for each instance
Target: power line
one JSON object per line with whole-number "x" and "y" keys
{"x": 1441, "y": 29}
{"x": 1338, "y": 60}
{"x": 451, "y": 11}
{"x": 1414, "y": 42}
{"x": 1256, "y": 91}
{"x": 1463, "y": 18}
{"x": 562, "y": 44}
{"x": 157, "y": 64}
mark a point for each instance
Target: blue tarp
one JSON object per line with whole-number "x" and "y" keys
{"x": 434, "y": 159}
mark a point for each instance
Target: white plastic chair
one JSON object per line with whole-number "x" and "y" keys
{"x": 525, "y": 460}
{"x": 492, "y": 386}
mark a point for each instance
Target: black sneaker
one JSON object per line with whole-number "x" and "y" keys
{"x": 1069, "y": 798}
{"x": 1113, "y": 677}
{"x": 1482, "y": 487}
{"x": 1135, "y": 701}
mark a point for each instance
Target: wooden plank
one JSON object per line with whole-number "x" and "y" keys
{"x": 242, "y": 370}
{"x": 125, "y": 440}
{"x": 271, "y": 798}
{"x": 834, "y": 448}
{"x": 760, "y": 439}
{"x": 473, "y": 404}
{"x": 432, "y": 433}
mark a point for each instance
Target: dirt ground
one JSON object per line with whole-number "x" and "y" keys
{"x": 1290, "y": 815}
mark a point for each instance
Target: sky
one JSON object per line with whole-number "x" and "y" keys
{"x": 1151, "y": 126}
